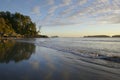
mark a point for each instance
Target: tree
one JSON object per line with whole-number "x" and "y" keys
{"x": 16, "y": 24}
{"x": 2, "y": 26}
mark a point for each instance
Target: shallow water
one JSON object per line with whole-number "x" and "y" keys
{"x": 60, "y": 59}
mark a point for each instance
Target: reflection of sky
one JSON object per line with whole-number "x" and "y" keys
{"x": 69, "y": 17}
{"x": 53, "y": 64}
{"x": 35, "y": 64}
{"x": 47, "y": 61}
{"x": 41, "y": 66}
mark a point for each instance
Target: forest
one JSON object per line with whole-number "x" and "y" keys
{"x": 16, "y": 25}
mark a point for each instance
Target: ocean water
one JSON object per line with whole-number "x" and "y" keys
{"x": 60, "y": 59}
{"x": 86, "y": 47}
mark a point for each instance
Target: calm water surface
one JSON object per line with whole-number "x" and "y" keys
{"x": 46, "y": 59}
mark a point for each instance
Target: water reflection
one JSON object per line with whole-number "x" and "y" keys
{"x": 47, "y": 64}
{"x": 10, "y": 50}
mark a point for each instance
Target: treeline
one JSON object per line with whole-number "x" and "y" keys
{"x": 13, "y": 25}
{"x": 101, "y": 36}
{"x": 116, "y": 36}
{"x": 97, "y": 36}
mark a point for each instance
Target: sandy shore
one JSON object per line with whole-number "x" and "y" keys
{"x": 72, "y": 67}
{"x": 28, "y": 61}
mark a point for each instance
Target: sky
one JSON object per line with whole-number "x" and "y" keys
{"x": 69, "y": 18}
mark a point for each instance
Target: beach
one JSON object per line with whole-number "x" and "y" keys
{"x": 60, "y": 59}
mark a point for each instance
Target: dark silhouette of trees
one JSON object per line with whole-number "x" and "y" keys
{"x": 16, "y": 24}
{"x": 116, "y": 36}
{"x": 100, "y": 36}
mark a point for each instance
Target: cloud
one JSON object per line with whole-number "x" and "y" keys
{"x": 113, "y": 19}
{"x": 36, "y": 10}
{"x": 82, "y": 11}
{"x": 50, "y": 2}
{"x": 66, "y": 2}
{"x": 82, "y": 2}
{"x": 52, "y": 9}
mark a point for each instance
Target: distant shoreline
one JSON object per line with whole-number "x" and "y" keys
{"x": 45, "y": 36}
{"x": 10, "y": 38}
{"x": 102, "y": 36}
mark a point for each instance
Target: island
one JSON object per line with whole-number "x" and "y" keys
{"x": 116, "y": 36}
{"x": 54, "y": 36}
{"x": 97, "y": 36}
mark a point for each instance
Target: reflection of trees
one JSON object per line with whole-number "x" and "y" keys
{"x": 15, "y": 51}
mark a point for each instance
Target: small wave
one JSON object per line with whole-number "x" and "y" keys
{"x": 103, "y": 40}
{"x": 96, "y": 54}
{"x": 113, "y": 59}
{"x": 85, "y": 52}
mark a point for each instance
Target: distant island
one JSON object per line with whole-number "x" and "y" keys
{"x": 100, "y": 36}
{"x": 116, "y": 36}
{"x": 16, "y": 25}
{"x": 54, "y": 36}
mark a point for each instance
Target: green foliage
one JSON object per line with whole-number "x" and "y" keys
{"x": 11, "y": 24}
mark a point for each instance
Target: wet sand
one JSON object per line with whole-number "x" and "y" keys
{"x": 42, "y": 63}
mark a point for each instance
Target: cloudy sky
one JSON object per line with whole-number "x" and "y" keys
{"x": 69, "y": 18}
